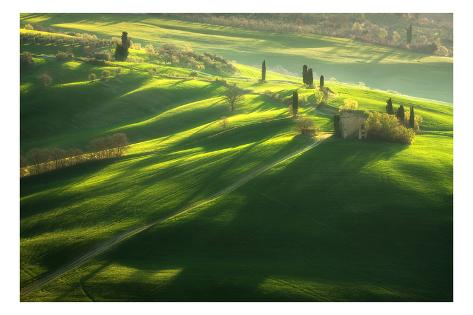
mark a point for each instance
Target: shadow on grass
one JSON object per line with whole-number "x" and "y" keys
{"x": 318, "y": 225}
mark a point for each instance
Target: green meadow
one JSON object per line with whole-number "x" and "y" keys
{"x": 346, "y": 220}
{"x": 344, "y": 59}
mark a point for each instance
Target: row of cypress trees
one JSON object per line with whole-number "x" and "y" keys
{"x": 400, "y": 113}
{"x": 308, "y": 77}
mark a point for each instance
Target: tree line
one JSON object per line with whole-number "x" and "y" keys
{"x": 419, "y": 32}
{"x": 41, "y": 160}
{"x": 413, "y": 122}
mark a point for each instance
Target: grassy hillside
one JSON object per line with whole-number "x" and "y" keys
{"x": 347, "y": 60}
{"x": 346, "y": 220}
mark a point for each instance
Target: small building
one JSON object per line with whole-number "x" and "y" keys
{"x": 351, "y": 124}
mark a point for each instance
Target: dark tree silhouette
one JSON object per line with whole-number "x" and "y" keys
{"x": 263, "y": 71}
{"x": 409, "y": 34}
{"x": 121, "y": 50}
{"x": 411, "y": 118}
{"x": 389, "y": 107}
{"x": 322, "y": 81}
{"x": 295, "y": 103}
{"x": 310, "y": 77}
{"x": 304, "y": 74}
{"x": 401, "y": 114}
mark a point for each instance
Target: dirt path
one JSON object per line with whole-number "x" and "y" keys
{"x": 135, "y": 230}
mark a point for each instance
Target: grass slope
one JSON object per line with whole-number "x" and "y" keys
{"x": 347, "y": 60}
{"x": 347, "y": 221}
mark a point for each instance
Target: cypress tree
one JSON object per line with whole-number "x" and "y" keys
{"x": 389, "y": 107}
{"x": 322, "y": 81}
{"x": 409, "y": 34}
{"x": 304, "y": 74}
{"x": 121, "y": 50}
{"x": 310, "y": 78}
{"x": 263, "y": 71}
{"x": 411, "y": 118}
{"x": 400, "y": 114}
{"x": 295, "y": 103}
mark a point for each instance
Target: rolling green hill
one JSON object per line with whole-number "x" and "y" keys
{"x": 344, "y": 59}
{"x": 345, "y": 220}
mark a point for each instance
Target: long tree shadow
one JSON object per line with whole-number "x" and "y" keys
{"x": 318, "y": 238}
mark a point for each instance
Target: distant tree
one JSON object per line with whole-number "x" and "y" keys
{"x": 322, "y": 81}
{"x": 26, "y": 59}
{"x": 389, "y": 107}
{"x": 105, "y": 74}
{"x": 233, "y": 96}
{"x": 92, "y": 76}
{"x": 263, "y": 71}
{"x": 349, "y": 104}
{"x": 306, "y": 127}
{"x": 62, "y": 55}
{"x": 150, "y": 50}
{"x": 304, "y": 74}
{"x": 411, "y": 118}
{"x": 409, "y": 34}
{"x": 400, "y": 114}
{"x": 121, "y": 49}
{"x": 295, "y": 103}
{"x": 310, "y": 77}
{"x": 45, "y": 79}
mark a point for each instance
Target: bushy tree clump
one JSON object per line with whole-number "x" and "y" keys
{"x": 382, "y": 126}
{"x": 174, "y": 55}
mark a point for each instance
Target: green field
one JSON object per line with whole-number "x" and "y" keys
{"x": 344, "y": 59}
{"x": 345, "y": 221}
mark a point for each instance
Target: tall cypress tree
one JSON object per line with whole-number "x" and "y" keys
{"x": 322, "y": 81}
{"x": 310, "y": 78}
{"x": 389, "y": 107}
{"x": 409, "y": 34}
{"x": 411, "y": 118}
{"x": 401, "y": 114}
{"x": 295, "y": 103}
{"x": 263, "y": 71}
{"x": 304, "y": 74}
{"x": 121, "y": 50}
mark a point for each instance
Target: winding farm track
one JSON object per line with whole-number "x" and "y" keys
{"x": 103, "y": 247}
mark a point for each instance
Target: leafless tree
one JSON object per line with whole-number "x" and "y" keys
{"x": 233, "y": 96}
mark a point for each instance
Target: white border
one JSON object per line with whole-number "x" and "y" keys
{"x": 9, "y": 128}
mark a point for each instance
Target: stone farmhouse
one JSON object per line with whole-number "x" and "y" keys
{"x": 352, "y": 124}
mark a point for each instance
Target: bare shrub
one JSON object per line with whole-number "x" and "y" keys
{"x": 45, "y": 80}
{"x": 350, "y": 104}
{"x": 105, "y": 74}
{"x": 307, "y": 127}
{"x": 26, "y": 59}
{"x": 92, "y": 77}
{"x": 61, "y": 56}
